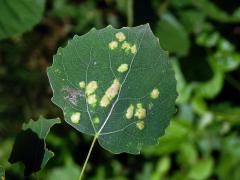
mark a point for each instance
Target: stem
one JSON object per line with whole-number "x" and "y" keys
{"x": 87, "y": 158}
{"x": 130, "y": 12}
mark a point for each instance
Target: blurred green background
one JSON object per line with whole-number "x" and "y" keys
{"x": 203, "y": 40}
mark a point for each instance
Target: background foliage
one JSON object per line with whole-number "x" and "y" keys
{"x": 202, "y": 37}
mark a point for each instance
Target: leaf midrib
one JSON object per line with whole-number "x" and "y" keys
{"x": 115, "y": 102}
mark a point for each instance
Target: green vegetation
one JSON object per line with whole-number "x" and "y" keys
{"x": 202, "y": 140}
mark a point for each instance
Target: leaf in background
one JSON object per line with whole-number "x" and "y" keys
{"x": 212, "y": 11}
{"x": 122, "y": 6}
{"x": 228, "y": 164}
{"x": 2, "y": 173}
{"x": 184, "y": 90}
{"x": 193, "y": 21}
{"x": 116, "y": 84}
{"x": 181, "y": 4}
{"x": 226, "y": 58}
{"x": 146, "y": 172}
{"x": 211, "y": 88}
{"x": 30, "y": 147}
{"x": 84, "y": 15}
{"x": 226, "y": 112}
{"x": 18, "y": 16}
{"x": 70, "y": 171}
{"x": 162, "y": 167}
{"x": 187, "y": 154}
{"x": 176, "y": 134}
{"x": 202, "y": 169}
{"x": 172, "y": 35}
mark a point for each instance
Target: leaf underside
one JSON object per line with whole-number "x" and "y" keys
{"x": 30, "y": 147}
{"x": 133, "y": 84}
{"x": 17, "y": 16}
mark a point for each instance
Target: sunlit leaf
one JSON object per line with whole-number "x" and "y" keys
{"x": 116, "y": 84}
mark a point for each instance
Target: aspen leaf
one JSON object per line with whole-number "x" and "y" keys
{"x": 120, "y": 68}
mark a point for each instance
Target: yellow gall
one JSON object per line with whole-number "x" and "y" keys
{"x": 113, "y": 45}
{"x": 120, "y": 36}
{"x": 126, "y": 46}
{"x": 92, "y": 100}
{"x": 104, "y": 101}
{"x": 110, "y": 93}
{"x": 155, "y": 93}
{"x": 113, "y": 89}
{"x": 140, "y": 125}
{"x": 91, "y": 87}
{"x": 140, "y": 112}
{"x": 75, "y": 118}
{"x": 82, "y": 84}
{"x": 122, "y": 68}
{"x": 134, "y": 49}
{"x": 96, "y": 120}
{"x": 129, "y": 113}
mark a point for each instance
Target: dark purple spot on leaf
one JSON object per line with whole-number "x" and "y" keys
{"x": 73, "y": 94}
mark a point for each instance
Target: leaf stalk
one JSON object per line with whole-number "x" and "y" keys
{"x": 88, "y": 155}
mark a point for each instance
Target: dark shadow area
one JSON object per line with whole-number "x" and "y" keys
{"x": 228, "y": 6}
{"x": 29, "y": 150}
{"x": 195, "y": 67}
{"x": 230, "y": 92}
{"x": 143, "y": 12}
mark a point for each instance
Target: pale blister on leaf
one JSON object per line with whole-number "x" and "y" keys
{"x": 132, "y": 85}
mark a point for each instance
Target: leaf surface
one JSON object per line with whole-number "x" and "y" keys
{"x": 117, "y": 84}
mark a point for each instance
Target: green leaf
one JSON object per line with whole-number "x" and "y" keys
{"x": 193, "y": 21}
{"x": 162, "y": 167}
{"x": 187, "y": 153}
{"x": 173, "y": 37}
{"x": 2, "y": 173}
{"x": 103, "y": 82}
{"x": 176, "y": 134}
{"x": 212, "y": 87}
{"x": 184, "y": 90}
{"x": 70, "y": 171}
{"x": 215, "y": 13}
{"x": 18, "y": 16}
{"x": 202, "y": 169}
{"x": 226, "y": 112}
{"x": 30, "y": 147}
